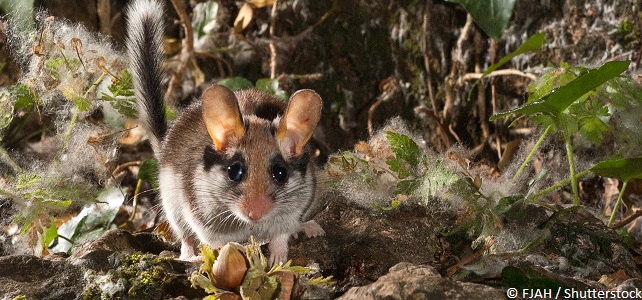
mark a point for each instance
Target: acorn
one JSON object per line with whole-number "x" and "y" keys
{"x": 230, "y": 267}
{"x": 229, "y": 296}
{"x": 286, "y": 279}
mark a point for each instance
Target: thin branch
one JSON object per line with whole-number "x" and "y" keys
{"x": 220, "y": 61}
{"x": 468, "y": 259}
{"x": 637, "y": 212}
{"x": 390, "y": 86}
{"x": 503, "y": 72}
{"x": 273, "y": 54}
{"x": 186, "y": 52}
{"x": 427, "y": 59}
{"x": 305, "y": 33}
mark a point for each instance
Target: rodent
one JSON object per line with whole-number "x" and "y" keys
{"x": 232, "y": 165}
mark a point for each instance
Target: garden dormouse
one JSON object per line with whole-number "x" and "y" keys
{"x": 232, "y": 165}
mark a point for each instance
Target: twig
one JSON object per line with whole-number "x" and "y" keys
{"x": 273, "y": 55}
{"x": 503, "y": 72}
{"x": 449, "y": 84}
{"x": 186, "y": 52}
{"x": 637, "y": 212}
{"x": 617, "y": 203}
{"x": 4, "y": 156}
{"x": 104, "y": 16}
{"x": 121, "y": 167}
{"x": 305, "y": 33}
{"x": 557, "y": 186}
{"x": 427, "y": 58}
{"x": 547, "y": 228}
{"x": 390, "y": 86}
{"x": 452, "y": 270}
{"x": 135, "y": 200}
{"x": 312, "y": 76}
{"x": 433, "y": 112}
{"x": 219, "y": 61}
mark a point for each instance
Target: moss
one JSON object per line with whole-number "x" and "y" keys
{"x": 142, "y": 276}
{"x": 627, "y": 33}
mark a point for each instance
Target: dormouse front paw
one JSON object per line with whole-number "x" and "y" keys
{"x": 279, "y": 249}
{"x": 189, "y": 250}
{"x": 312, "y": 229}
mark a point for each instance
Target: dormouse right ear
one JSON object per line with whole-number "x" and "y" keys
{"x": 222, "y": 116}
{"x": 298, "y": 123}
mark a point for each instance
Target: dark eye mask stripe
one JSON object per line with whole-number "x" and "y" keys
{"x": 211, "y": 158}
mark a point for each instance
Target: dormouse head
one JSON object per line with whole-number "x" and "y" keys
{"x": 265, "y": 159}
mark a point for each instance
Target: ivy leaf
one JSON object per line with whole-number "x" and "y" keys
{"x": 271, "y": 86}
{"x": 50, "y": 233}
{"x": 491, "y": 16}
{"x": 623, "y": 169}
{"x": 529, "y": 279}
{"x": 148, "y": 171}
{"x": 532, "y": 44}
{"x": 236, "y": 83}
{"x": 558, "y": 100}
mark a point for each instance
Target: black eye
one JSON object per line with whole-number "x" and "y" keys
{"x": 279, "y": 173}
{"x": 235, "y": 171}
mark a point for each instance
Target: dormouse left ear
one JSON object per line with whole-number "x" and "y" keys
{"x": 222, "y": 116}
{"x": 299, "y": 122}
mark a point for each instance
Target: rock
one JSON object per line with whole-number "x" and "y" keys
{"x": 119, "y": 265}
{"x": 94, "y": 255}
{"x": 361, "y": 244}
{"x": 38, "y": 278}
{"x": 409, "y": 281}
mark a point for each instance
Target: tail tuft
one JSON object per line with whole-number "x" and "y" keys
{"x": 144, "y": 43}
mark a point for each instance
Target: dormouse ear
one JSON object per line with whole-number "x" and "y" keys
{"x": 222, "y": 116}
{"x": 299, "y": 122}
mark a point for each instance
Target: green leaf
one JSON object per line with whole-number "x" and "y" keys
{"x": 407, "y": 187}
{"x": 205, "y": 17}
{"x": 170, "y": 114}
{"x": 516, "y": 278}
{"x": 148, "y": 170}
{"x": 398, "y": 165}
{"x": 122, "y": 98}
{"x": 491, "y": 16}
{"x": 552, "y": 80}
{"x": 82, "y": 103}
{"x": 124, "y": 86}
{"x": 593, "y": 129}
{"x": 504, "y": 204}
{"x": 50, "y": 233}
{"x": 557, "y": 101}
{"x": 404, "y": 148}
{"x": 6, "y": 109}
{"x": 623, "y": 169}
{"x": 532, "y": 44}
{"x": 271, "y": 86}
{"x": 545, "y": 121}
{"x": 236, "y": 83}
{"x": 23, "y": 97}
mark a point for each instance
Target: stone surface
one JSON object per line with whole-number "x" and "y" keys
{"x": 409, "y": 281}
{"x": 39, "y": 278}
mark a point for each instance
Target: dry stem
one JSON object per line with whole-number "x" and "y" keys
{"x": 186, "y": 52}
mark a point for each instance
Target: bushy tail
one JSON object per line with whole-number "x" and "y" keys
{"x": 144, "y": 48}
